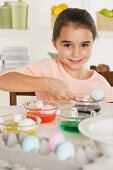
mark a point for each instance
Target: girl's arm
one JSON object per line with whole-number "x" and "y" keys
{"x": 17, "y": 82}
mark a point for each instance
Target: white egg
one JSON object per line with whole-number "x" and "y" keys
{"x": 26, "y": 124}
{"x": 97, "y": 94}
{"x": 30, "y": 143}
{"x": 74, "y": 112}
{"x": 40, "y": 104}
{"x": 65, "y": 150}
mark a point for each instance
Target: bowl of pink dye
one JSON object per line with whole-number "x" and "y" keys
{"x": 46, "y": 110}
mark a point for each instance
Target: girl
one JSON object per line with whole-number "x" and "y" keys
{"x": 73, "y": 37}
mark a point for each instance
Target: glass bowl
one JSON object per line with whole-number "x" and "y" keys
{"x": 15, "y": 123}
{"x": 84, "y": 100}
{"x": 46, "y": 110}
{"x": 71, "y": 117}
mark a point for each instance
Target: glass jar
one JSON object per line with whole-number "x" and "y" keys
{"x": 6, "y": 19}
{"x": 19, "y": 15}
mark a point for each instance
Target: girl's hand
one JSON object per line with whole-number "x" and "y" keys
{"x": 58, "y": 89}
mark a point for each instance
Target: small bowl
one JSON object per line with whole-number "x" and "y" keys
{"x": 100, "y": 130}
{"x": 11, "y": 123}
{"x": 46, "y": 110}
{"x": 84, "y": 100}
{"x": 70, "y": 118}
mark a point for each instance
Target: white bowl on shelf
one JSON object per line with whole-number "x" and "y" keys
{"x": 100, "y": 130}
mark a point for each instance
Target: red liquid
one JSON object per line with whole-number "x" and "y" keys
{"x": 45, "y": 118}
{"x": 33, "y": 117}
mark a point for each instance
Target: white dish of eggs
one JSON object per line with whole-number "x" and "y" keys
{"x": 34, "y": 152}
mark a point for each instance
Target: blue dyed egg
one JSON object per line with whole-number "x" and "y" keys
{"x": 65, "y": 150}
{"x": 97, "y": 94}
{"x": 30, "y": 143}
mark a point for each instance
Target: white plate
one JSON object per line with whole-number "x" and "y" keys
{"x": 98, "y": 128}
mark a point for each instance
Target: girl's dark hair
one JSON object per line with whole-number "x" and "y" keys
{"x": 75, "y": 16}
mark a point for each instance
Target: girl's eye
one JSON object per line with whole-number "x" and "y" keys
{"x": 85, "y": 45}
{"x": 67, "y": 45}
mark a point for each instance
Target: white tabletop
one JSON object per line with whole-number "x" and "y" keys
{"x": 46, "y": 130}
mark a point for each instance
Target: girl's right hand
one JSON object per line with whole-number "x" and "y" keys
{"x": 58, "y": 89}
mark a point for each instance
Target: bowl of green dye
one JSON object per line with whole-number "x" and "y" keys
{"x": 70, "y": 118}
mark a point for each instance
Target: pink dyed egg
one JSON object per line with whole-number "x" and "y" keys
{"x": 55, "y": 140}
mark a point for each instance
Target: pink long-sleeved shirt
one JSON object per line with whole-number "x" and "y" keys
{"x": 54, "y": 69}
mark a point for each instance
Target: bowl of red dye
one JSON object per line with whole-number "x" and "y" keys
{"x": 46, "y": 110}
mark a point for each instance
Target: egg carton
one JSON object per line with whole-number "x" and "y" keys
{"x": 12, "y": 157}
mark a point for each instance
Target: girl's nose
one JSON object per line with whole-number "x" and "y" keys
{"x": 76, "y": 52}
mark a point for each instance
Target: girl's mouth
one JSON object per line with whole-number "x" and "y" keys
{"x": 75, "y": 61}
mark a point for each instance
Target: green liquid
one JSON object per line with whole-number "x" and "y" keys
{"x": 70, "y": 126}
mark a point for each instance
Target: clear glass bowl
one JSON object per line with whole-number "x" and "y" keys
{"x": 84, "y": 100}
{"x": 46, "y": 110}
{"x": 71, "y": 117}
{"x": 11, "y": 123}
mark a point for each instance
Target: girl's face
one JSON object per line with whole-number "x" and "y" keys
{"x": 74, "y": 46}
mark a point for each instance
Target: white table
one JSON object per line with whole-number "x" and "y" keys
{"x": 46, "y": 130}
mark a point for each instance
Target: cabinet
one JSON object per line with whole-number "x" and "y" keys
{"x": 38, "y": 35}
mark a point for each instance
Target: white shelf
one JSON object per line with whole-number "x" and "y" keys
{"x": 42, "y": 31}
{"x": 11, "y": 32}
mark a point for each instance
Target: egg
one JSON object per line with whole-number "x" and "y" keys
{"x": 74, "y": 112}
{"x": 49, "y": 109}
{"x": 55, "y": 140}
{"x": 65, "y": 150}
{"x": 97, "y": 94}
{"x": 26, "y": 124}
{"x": 30, "y": 143}
{"x": 40, "y": 104}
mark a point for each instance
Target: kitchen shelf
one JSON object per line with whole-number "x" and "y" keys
{"x": 42, "y": 31}
{"x": 12, "y": 32}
